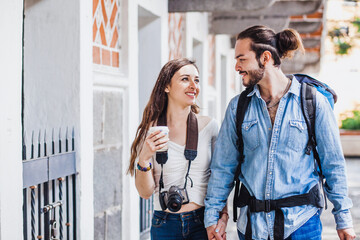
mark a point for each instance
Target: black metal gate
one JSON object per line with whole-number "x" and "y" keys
{"x": 49, "y": 187}
{"x": 146, "y": 210}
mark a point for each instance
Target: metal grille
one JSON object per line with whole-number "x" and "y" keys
{"x": 146, "y": 209}
{"x": 49, "y": 187}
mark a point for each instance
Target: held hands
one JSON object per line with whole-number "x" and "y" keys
{"x": 217, "y": 232}
{"x": 153, "y": 142}
{"x": 346, "y": 234}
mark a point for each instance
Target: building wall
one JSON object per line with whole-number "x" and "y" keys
{"x": 225, "y": 78}
{"x": 51, "y": 70}
{"x": 139, "y": 26}
{"x": 10, "y": 120}
{"x": 107, "y": 119}
{"x": 85, "y": 66}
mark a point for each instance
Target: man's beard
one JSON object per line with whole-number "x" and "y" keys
{"x": 255, "y": 76}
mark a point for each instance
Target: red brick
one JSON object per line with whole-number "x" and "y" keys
{"x": 297, "y": 17}
{"x": 94, "y": 30}
{"x": 104, "y": 12}
{"x": 317, "y": 32}
{"x": 95, "y": 5}
{"x": 102, "y": 35}
{"x": 315, "y": 15}
{"x": 105, "y": 57}
{"x": 114, "y": 38}
{"x": 115, "y": 59}
{"x": 314, "y": 49}
{"x": 113, "y": 15}
{"x": 96, "y": 55}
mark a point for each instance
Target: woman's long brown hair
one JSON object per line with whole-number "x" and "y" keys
{"x": 157, "y": 104}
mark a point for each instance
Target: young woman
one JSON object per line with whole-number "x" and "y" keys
{"x": 171, "y": 103}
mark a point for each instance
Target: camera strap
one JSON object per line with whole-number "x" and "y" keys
{"x": 190, "y": 153}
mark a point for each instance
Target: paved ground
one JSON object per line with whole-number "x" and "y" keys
{"x": 329, "y": 232}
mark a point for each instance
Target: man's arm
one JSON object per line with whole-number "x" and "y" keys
{"x": 223, "y": 165}
{"x": 218, "y": 231}
{"x": 332, "y": 163}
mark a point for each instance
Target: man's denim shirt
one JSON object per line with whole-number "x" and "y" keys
{"x": 276, "y": 165}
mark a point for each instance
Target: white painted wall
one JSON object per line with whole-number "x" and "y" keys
{"x": 130, "y": 210}
{"x": 149, "y": 55}
{"x": 224, "y": 62}
{"x": 10, "y": 120}
{"x": 159, "y": 8}
{"x": 51, "y": 65}
{"x": 196, "y": 47}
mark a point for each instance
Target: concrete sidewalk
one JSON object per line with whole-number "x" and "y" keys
{"x": 329, "y": 229}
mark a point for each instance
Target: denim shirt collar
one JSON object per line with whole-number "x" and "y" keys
{"x": 294, "y": 88}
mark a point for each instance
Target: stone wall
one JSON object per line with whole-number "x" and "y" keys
{"x": 108, "y": 148}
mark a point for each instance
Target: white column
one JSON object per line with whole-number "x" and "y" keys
{"x": 130, "y": 211}
{"x": 86, "y": 151}
{"x": 11, "y": 22}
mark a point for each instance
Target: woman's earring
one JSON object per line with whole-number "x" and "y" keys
{"x": 166, "y": 90}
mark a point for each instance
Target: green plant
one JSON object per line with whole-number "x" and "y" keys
{"x": 352, "y": 122}
{"x": 341, "y": 39}
{"x": 356, "y": 23}
{"x": 342, "y": 48}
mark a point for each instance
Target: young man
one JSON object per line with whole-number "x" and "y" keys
{"x": 276, "y": 170}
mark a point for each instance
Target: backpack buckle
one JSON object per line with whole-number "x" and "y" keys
{"x": 260, "y": 205}
{"x": 267, "y": 206}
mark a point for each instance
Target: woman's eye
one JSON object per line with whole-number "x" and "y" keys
{"x": 185, "y": 79}
{"x": 197, "y": 80}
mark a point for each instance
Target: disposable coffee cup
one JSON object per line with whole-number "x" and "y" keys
{"x": 163, "y": 129}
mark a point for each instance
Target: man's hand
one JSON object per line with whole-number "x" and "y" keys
{"x": 217, "y": 232}
{"x": 345, "y": 234}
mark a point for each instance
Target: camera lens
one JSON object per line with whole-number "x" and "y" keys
{"x": 174, "y": 202}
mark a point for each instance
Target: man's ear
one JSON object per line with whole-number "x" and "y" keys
{"x": 266, "y": 57}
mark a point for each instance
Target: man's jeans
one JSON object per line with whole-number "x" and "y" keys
{"x": 311, "y": 230}
{"x": 172, "y": 226}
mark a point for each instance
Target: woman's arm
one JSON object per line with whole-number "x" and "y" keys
{"x": 144, "y": 180}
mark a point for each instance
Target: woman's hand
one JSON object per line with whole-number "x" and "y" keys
{"x": 213, "y": 233}
{"x": 155, "y": 141}
{"x": 218, "y": 231}
{"x": 222, "y": 223}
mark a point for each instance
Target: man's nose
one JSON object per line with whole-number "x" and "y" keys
{"x": 237, "y": 67}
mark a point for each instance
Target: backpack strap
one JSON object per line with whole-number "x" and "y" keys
{"x": 242, "y": 106}
{"x": 308, "y": 107}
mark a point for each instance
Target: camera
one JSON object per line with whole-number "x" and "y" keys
{"x": 173, "y": 199}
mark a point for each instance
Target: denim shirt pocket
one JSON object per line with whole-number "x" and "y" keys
{"x": 250, "y": 133}
{"x": 297, "y": 135}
